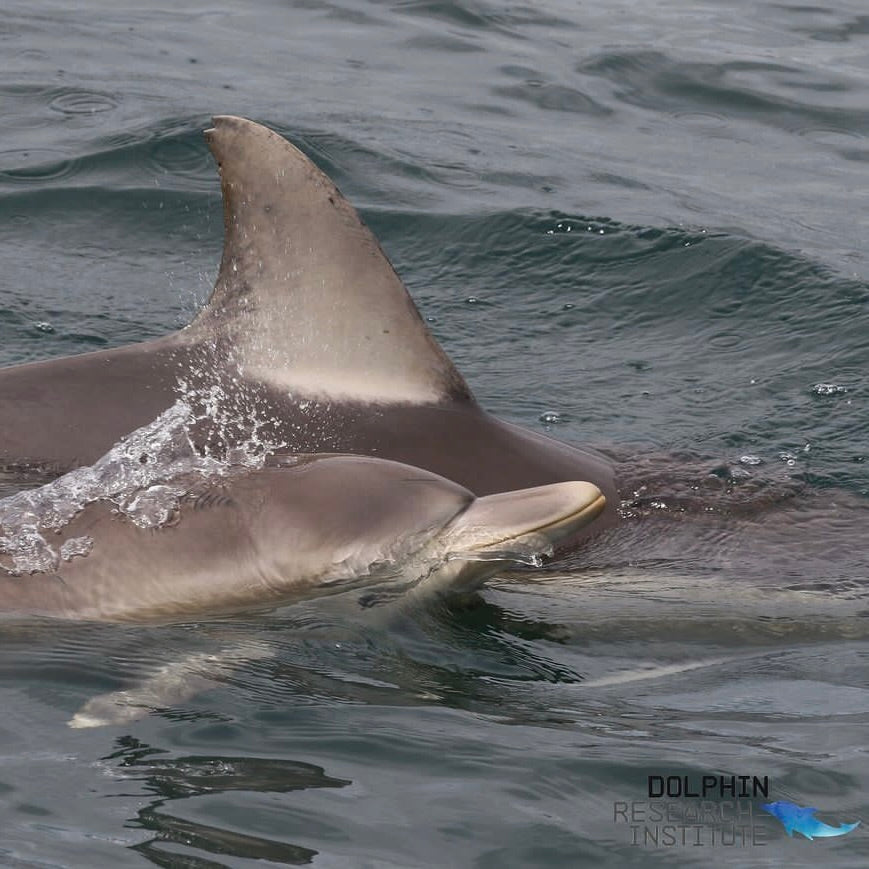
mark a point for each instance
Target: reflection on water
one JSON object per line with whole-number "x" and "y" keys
{"x": 176, "y": 839}
{"x": 542, "y": 691}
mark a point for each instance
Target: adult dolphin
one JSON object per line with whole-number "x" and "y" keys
{"x": 281, "y": 533}
{"x": 308, "y": 327}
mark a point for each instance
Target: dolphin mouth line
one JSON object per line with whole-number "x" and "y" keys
{"x": 587, "y": 514}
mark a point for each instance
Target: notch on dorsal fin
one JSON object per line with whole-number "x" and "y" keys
{"x": 305, "y": 295}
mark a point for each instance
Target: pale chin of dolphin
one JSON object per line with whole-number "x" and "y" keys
{"x": 510, "y": 528}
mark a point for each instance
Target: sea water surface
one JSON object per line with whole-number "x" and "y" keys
{"x": 640, "y": 226}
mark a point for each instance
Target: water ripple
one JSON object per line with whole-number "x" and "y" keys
{"x": 76, "y": 101}
{"x": 760, "y": 91}
{"x": 842, "y": 31}
{"x": 35, "y": 165}
{"x": 553, "y": 97}
{"x": 183, "y": 155}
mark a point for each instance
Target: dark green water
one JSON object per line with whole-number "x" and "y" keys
{"x": 649, "y": 219}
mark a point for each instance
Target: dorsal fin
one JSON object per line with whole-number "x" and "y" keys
{"x": 305, "y": 295}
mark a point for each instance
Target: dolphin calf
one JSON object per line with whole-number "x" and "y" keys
{"x": 309, "y": 334}
{"x": 282, "y": 532}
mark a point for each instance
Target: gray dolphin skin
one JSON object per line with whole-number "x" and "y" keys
{"x": 309, "y": 325}
{"x": 279, "y": 534}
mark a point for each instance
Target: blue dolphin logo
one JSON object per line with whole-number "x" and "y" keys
{"x": 796, "y": 818}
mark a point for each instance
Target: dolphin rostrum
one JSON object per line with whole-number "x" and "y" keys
{"x": 309, "y": 334}
{"x": 304, "y": 527}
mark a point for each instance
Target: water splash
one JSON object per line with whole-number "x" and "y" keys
{"x": 516, "y": 555}
{"x": 215, "y": 428}
{"x": 529, "y": 550}
{"x": 133, "y": 467}
{"x": 227, "y": 412}
{"x": 829, "y": 389}
{"x": 76, "y": 546}
{"x": 144, "y": 475}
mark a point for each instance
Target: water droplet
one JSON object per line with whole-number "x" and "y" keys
{"x": 829, "y": 389}
{"x": 80, "y": 546}
{"x": 551, "y": 417}
{"x": 750, "y": 460}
